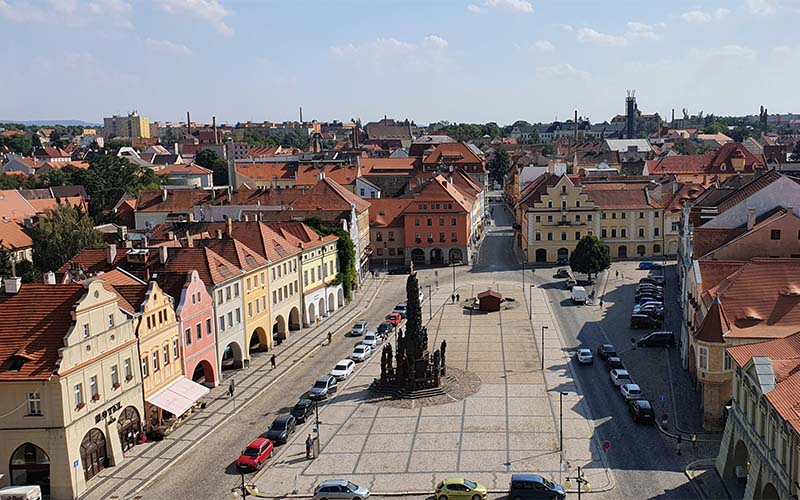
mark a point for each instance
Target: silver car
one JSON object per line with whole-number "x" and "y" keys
{"x": 340, "y": 488}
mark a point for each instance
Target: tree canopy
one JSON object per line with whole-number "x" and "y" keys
{"x": 499, "y": 164}
{"x": 472, "y": 131}
{"x": 209, "y": 159}
{"x": 591, "y": 256}
{"x": 108, "y": 178}
{"x": 345, "y": 251}
{"x": 61, "y": 233}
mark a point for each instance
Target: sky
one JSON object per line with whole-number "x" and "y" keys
{"x": 425, "y": 60}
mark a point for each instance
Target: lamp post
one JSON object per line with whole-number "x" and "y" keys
{"x": 316, "y": 417}
{"x": 430, "y": 304}
{"x": 453, "y": 264}
{"x": 243, "y": 490}
{"x": 561, "y": 421}
{"x": 530, "y": 302}
{"x": 580, "y": 479}
{"x": 543, "y": 329}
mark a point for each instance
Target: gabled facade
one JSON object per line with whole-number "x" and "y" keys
{"x": 69, "y": 353}
{"x": 195, "y": 313}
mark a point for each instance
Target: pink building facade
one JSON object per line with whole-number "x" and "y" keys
{"x": 195, "y": 313}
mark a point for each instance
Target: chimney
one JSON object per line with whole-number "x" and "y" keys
{"x": 229, "y": 227}
{"x": 170, "y": 235}
{"x": 49, "y": 278}
{"x": 188, "y": 124}
{"x": 163, "y": 194}
{"x": 751, "y": 218}
{"x": 163, "y": 254}
{"x": 321, "y": 176}
{"x": 189, "y": 240}
{"x": 112, "y": 253}
{"x": 672, "y": 123}
{"x": 219, "y": 234}
{"x": 175, "y": 148}
{"x": 301, "y": 115}
{"x": 214, "y": 126}
{"x": 13, "y": 284}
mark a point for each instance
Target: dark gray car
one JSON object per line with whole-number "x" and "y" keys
{"x": 281, "y": 428}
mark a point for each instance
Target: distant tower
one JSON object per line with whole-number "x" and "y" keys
{"x": 630, "y": 115}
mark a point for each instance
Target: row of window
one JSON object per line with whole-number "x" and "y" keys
{"x": 589, "y": 218}
{"x": 35, "y": 401}
{"x": 258, "y": 305}
{"x": 775, "y": 234}
{"x": 315, "y": 253}
{"x": 429, "y": 221}
{"x": 379, "y": 235}
{"x": 320, "y": 272}
{"x": 435, "y": 206}
{"x": 251, "y": 283}
{"x": 442, "y": 239}
{"x": 156, "y": 319}
{"x": 564, "y": 235}
{"x": 284, "y": 269}
{"x": 392, "y": 252}
{"x": 111, "y": 321}
{"x": 198, "y": 332}
{"x": 230, "y": 292}
{"x": 233, "y": 318}
{"x": 165, "y": 355}
{"x": 623, "y": 232}
{"x": 285, "y": 292}
{"x": 768, "y": 427}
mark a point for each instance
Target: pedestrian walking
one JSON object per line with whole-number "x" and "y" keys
{"x": 272, "y": 361}
{"x": 329, "y": 338}
{"x": 458, "y": 297}
{"x": 601, "y": 303}
{"x": 678, "y": 445}
{"x": 453, "y": 298}
{"x": 309, "y": 446}
{"x": 693, "y": 439}
{"x": 623, "y": 275}
{"x": 617, "y": 274}
{"x": 231, "y": 389}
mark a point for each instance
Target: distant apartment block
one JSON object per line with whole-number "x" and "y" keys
{"x": 131, "y": 126}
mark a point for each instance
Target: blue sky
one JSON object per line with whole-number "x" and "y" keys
{"x": 427, "y": 60}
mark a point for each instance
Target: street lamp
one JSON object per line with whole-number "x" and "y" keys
{"x": 530, "y": 303}
{"x": 581, "y": 480}
{"x": 454, "y": 277}
{"x": 243, "y": 490}
{"x": 561, "y": 421}
{"x": 543, "y": 329}
{"x": 430, "y": 304}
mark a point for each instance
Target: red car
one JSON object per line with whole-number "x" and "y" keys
{"x": 256, "y": 453}
{"x": 394, "y": 318}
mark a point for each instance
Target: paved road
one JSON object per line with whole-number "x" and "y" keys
{"x": 644, "y": 461}
{"x": 208, "y": 472}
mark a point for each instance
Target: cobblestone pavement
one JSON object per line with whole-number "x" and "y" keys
{"x": 510, "y": 425}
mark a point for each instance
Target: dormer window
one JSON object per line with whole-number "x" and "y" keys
{"x": 15, "y": 363}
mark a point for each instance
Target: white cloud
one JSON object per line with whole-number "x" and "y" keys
{"x": 731, "y": 51}
{"x": 515, "y": 5}
{"x": 210, "y": 11}
{"x": 70, "y": 12}
{"x": 762, "y": 7}
{"x": 589, "y": 35}
{"x": 783, "y": 50}
{"x": 641, "y": 30}
{"x": 562, "y": 71}
{"x": 721, "y": 12}
{"x": 544, "y": 46}
{"x": 382, "y": 49}
{"x": 436, "y": 41}
{"x": 566, "y": 27}
{"x": 695, "y": 17}
{"x": 167, "y": 47}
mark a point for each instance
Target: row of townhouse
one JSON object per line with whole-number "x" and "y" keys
{"x": 121, "y": 342}
{"x": 739, "y": 271}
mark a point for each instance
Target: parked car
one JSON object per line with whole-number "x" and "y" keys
{"x": 359, "y": 328}
{"x": 656, "y": 303}
{"x": 457, "y": 488}
{"x": 340, "y": 488}
{"x": 614, "y": 363}
{"x": 631, "y": 391}
{"x": 584, "y": 356}
{"x": 606, "y": 350}
{"x": 646, "y": 264}
{"x": 384, "y": 328}
{"x": 569, "y": 283}
{"x": 648, "y": 307}
{"x": 302, "y": 410}
{"x": 642, "y": 411}
{"x": 323, "y": 387}
{"x": 534, "y": 486}
{"x": 579, "y": 295}
{"x": 256, "y": 453}
{"x": 656, "y": 280}
{"x": 655, "y": 313}
{"x": 281, "y": 428}
{"x": 620, "y": 377}
{"x": 344, "y": 368}
{"x": 563, "y": 273}
{"x": 657, "y": 339}
{"x": 360, "y": 353}
{"x": 643, "y": 321}
{"x": 401, "y": 309}
{"x": 648, "y": 285}
{"x": 371, "y": 340}
{"x": 648, "y": 296}
{"x": 394, "y": 318}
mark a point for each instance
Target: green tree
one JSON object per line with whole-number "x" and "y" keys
{"x": 715, "y": 127}
{"x": 740, "y": 133}
{"x": 108, "y": 178}
{"x": 795, "y": 156}
{"x": 20, "y": 144}
{"x": 210, "y": 160}
{"x": 498, "y": 166}
{"x": 61, "y": 233}
{"x": 591, "y": 256}
{"x": 345, "y": 251}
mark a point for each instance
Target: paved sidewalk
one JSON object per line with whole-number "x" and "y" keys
{"x": 706, "y": 481}
{"x": 147, "y": 461}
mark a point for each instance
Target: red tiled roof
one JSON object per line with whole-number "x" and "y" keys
{"x": 329, "y": 195}
{"x": 389, "y": 166}
{"x": 532, "y": 193}
{"x": 438, "y": 189}
{"x": 50, "y": 152}
{"x": 385, "y": 212}
{"x": 709, "y": 239}
{"x": 715, "y": 325}
{"x": 749, "y": 189}
{"x": 618, "y": 196}
{"x": 452, "y": 153}
{"x": 709, "y": 163}
{"x": 192, "y": 168}
{"x": 300, "y": 235}
{"x": 13, "y": 206}
{"x": 35, "y": 321}
{"x": 267, "y": 171}
{"x": 308, "y": 175}
{"x": 13, "y": 237}
{"x": 235, "y": 252}
{"x": 210, "y": 266}
{"x": 131, "y": 296}
{"x": 714, "y": 271}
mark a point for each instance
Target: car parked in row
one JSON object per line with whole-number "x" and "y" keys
{"x": 643, "y": 321}
{"x": 656, "y": 280}
{"x": 458, "y": 488}
{"x": 340, "y": 488}
{"x": 281, "y": 428}
{"x": 646, "y": 264}
{"x": 323, "y": 387}
{"x": 385, "y": 328}
{"x": 584, "y": 356}
{"x": 370, "y": 340}
{"x": 343, "y": 369}
{"x": 606, "y": 351}
{"x": 394, "y": 318}
{"x": 359, "y": 328}
{"x": 401, "y": 309}
{"x": 302, "y": 410}
{"x": 614, "y": 363}
{"x": 360, "y": 353}
{"x": 657, "y": 339}
{"x": 631, "y": 391}
{"x": 534, "y": 487}
{"x": 620, "y": 377}
{"x": 642, "y": 411}
{"x": 256, "y": 453}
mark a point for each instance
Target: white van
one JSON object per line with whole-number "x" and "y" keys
{"x": 578, "y": 295}
{"x": 33, "y": 492}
